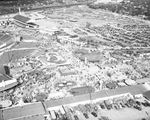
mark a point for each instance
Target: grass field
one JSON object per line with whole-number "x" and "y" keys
{"x": 27, "y": 45}
{"x": 27, "y": 37}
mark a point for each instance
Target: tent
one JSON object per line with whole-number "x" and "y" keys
{"x": 111, "y": 85}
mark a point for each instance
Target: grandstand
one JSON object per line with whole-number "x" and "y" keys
{"x": 5, "y": 40}
{"x": 23, "y": 21}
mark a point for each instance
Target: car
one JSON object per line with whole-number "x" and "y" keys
{"x": 76, "y": 117}
{"x": 109, "y": 107}
{"x": 94, "y": 114}
{"x": 131, "y": 101}
{"x": 115, "y": 106}
{"x": 95, "y": 108}
{"x": 87, "y": 106}
{"x": 71, "y": 110}
{"x": 65, "y": 117}
{"x": 147, "y": 103}
{"x": 122, "y": 105}
{"x": 102, "y": 105}
{"x": 99, "y": 118}
{"x": 104, "y": 118}
{"x": 128, "y": 105}
{"x": 108, "y": 104}
{"x": 137, "y": 102}
{"x": 82, "y": 108}
{"x": 58, "y": 116}
{"x": 144, "y": 104}
{"x": 137, "y": 107}
{"x": 53, "y": 114}
{"x": 98, "y": 106}
{"x": 119, "y": 106}
{"x": 76, "y": 108}
{"x": 85, "y": 115}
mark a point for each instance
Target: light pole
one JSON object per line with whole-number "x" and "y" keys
{"x": 89, "y": 91}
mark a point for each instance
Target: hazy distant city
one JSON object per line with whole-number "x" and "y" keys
{"x": 74, "y": 60}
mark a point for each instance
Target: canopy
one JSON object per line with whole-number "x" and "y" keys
{"x": 41, "y": 96}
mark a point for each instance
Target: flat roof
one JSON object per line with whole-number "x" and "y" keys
{"x": 134, "y": 90}
{"x": 26, "y": 110}
{"x": 4, "y": 38}
{"x": 21, "y": 18}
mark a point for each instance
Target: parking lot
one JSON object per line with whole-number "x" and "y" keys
{"x": 121, "y": 114}
{"x": 127, "y": 114}
{"x": 102, "y": 111}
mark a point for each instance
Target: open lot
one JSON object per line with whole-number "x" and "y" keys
{"x": 14, "y": 55}
{"x": 27, "y": 45}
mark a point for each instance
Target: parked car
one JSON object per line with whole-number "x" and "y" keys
{"x": 94, "y": 114}
{"x": 76, "y": 117}
{"x": 99, "y": 118}
{"x": 108, "y": 104}
{"x": 116, "y": 106}
{"x": 131, "y": 102}
{"x": 102, "y": 105}
{"x": 144, "y": 104}
{"x": 72, "y": 110}
{"x": 58, "y": 116}
{"x": 128, "y": 105}
{"x": 147, "y": 103}
{"x": 88, "y": 107}
{"x": 137, "y": 107}
{"x": 104, "y": 118}
{"x": 86, "y": 115}
{"x": 137, "y": 102}
{"x": 95, "y": 108}
{"x": 121, "y": 103}
{"x": 53, "y": 115}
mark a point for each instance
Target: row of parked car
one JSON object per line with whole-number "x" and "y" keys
{"x": 123, "y": 104}
{"x": 71, "y": 112}
{"x": 94, "y": 108}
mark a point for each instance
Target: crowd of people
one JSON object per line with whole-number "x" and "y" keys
{"x": 128, "y": 7}
{"x": 120, "y": 60}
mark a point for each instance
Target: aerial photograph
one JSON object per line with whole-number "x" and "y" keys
{"x": 74, "y": 60}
